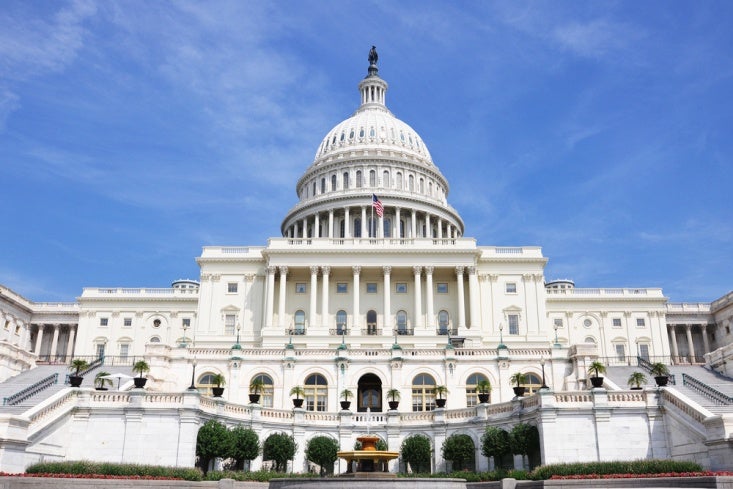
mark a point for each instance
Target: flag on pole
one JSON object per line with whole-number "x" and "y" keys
{"x": 377, "y": 205}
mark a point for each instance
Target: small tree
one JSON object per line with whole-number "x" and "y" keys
{"x": 659, "y": 369}
{"x": 346, "y": 394}
{"x": 440, "y": 391}
{"x": 141, "y": 367}
{"x": 77, "y": 365}
{"x": 460, "y": 450}
{"x": 596, "y": 369}
{"x": 212, "y": 441}
{"x": 100, "y": 380}
{"x": 393, "y": 395}
{"x": 244, "y": 445}
{"x": 297, "y": 391}
{"x": 483, "y": 386}
{"x": 218, "y": 379}
{"x": 279, "y": 447}
{"x": 636, "y": 379}
{"x": 415, "y": 450}
{"x": 524, "y": 439}
{"x": 256, "y": 385}
{"x": 321, "y": 450}
{"x": 518, "y": 379}
{"x": 495, "y": 443}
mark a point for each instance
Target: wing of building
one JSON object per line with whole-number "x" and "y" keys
{"x": 373, "y": 287}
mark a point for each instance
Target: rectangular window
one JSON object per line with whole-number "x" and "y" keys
{"x": 371, "y": 288}
{"x": 640, "y": 322}
{"x": 100, "y": 350}
{"x": 300, "y": 288}
{"x": 401, "y": 288}
{"x": 232, "y": 287}
{"x": 342, "y": 288}
{"x": 513, "y": 324}
{"x": 621, "y": 352}
{"x": 442, "y": 288}
{"x": 644, "y": 351}
{"x": 127, "y": 322}
{"x": 124, "y": 350}
{"x": 103, "y": 321}
{"x": 558, "y": 323}
{"x": 511, "y": 288}
{"x": 186, "y": 322}
{"x": 616, "y": 322}
{"x": 229, "y": 321}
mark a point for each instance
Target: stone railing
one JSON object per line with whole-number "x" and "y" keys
{"x": 625, "y": 293}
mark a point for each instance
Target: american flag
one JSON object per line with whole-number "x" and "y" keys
{"x": 377, "y": 205}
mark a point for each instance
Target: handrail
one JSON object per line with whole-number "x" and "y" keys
{"x": 31, "y": 390}
{"x": 707, "y": 391}
{"x": 647, "y": 365}
{"x": 92, "y": 365}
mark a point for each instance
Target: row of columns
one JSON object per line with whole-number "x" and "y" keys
{"x": 356, "y": 294}
{"x": 444, "y": 228}
{"x": 55, "y": 340}
{"x": 690, "y": 343}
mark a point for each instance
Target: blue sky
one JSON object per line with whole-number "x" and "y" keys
{"x": 134, "y": 133}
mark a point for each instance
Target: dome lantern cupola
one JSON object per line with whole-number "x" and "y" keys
{"x": 373, "y": 88}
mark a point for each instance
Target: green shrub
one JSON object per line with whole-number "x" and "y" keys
{"x": 259, "y": 476}
{"x": 615, "y": 467}
{"x": 106, "y": 468}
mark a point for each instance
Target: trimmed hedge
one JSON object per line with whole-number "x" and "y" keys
{"x": 258, "y": 476}
{"x": 80, "y": 467}
{"x": 615, "y": 467}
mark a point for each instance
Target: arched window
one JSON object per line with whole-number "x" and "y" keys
{"x": 385, "y": 179}
{"x": 387, "y": 227}
{"x": 341, "y": 323}
{"x": 402, "y": 228}
{"x": 533, "y": 383}
{"x": 316, "y": 393}
{"x": 422, "y": 186}
{"x": 590, "y": 339}
{"x": 372, "y": 178}
{"x": 268, "y": 391}
{"x": 402, "y": 322}
{"x": 471, "y": 391}
{"x": 342, "y": 228}
{"x": 299, "y": 320}
{"x": 398, "y": 183}
{"x": 372, "y": 132}
{"x": 430, "y": 189}
{"x": 371, "y": 320}
{"x": 314, "y": 189}
{"x": 205, "y": 384}
{"x": 443, "y": 321}
{"x": 333, "y": 183}
{"x": 155, "y": 339}
{"x": 323, "y": 185}
{"x": 358, "y": 179}
{"x": 346, "y": 181}
{"x": 423, "y": 393}
{"x": 411, "y": 183}
{"x": 357, "y": 227}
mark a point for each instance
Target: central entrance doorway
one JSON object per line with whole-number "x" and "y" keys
{"x": 369, "y": 394}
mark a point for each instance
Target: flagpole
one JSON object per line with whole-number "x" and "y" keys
{"x": 371, "y": 221}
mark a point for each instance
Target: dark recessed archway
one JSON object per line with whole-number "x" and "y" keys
{"x": 369, "y": 394}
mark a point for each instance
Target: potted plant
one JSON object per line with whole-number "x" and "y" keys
{"x": 518, "y": 379}
{"x": 101, "y": 380}
{"x": 255, "y": 389}
{"x": 484, "y": 389}
{"x": 660, "y": 372}
{"x": 440, "y": 391}
{"x": 635, "y": 380}
{"x": 140, "y": 367}
{"x": 394, "y": 399}
{"x": 298, "y": 392}
{"x": 345, "y": 395}
{"x": 595, "y": 370}
{"x": 77, "y": 365}
{"x": 220, "y": 381}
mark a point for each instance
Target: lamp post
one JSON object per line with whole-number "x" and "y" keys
{"x": 192, "y": 387}
{"x": 542, "y": 364}
{"x": 184, "y": 342}
{"x": 557, "y": 343}
{"x": 501, "y": 336}
{"x": 237, "y": 346}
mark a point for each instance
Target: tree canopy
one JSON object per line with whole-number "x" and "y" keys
{"x": 415, "y": 451}
{"x": 321, "y": 450}
{"x": 524, "y": 439}
{"x": 212, "y": 441}
{"x": 279, "y": 447}
{"x": 460, "y": 450}
{"x": 495, "y": 442}
{"x": 244, "y": 445}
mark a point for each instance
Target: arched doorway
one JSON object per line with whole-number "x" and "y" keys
{"x": 371, "y": 320}
{"x": 369, "y": 393}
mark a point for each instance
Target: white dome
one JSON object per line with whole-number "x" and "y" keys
{"x": 374, "y": 126}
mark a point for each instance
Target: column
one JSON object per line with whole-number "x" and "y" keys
{"x": 270, "y": 296}
{"x": 364, "y": 232}
{"x": 325, "y": 319}
{"x": 473, "y": 295}
{"x": 347, "y": 231}
{"x": 396, "y": 232}
{"x": 305, "y": 227}
{"x": 705, "y": 343}
{"x": 413, "y": 224}
{"x": 281, "y": 298}
{"x": 429, "y": 313}
{"x": 314, "y": 294}
{"x": 317, "y": 226}
{"x": 380, "y": 229}
{"x": 418, "y": 298}
{"x": 55, "y": 341}
{"x": 39, "y": 340}
{"x": 356, "y": 293}
{"x": 72, "y": 337}
{"x": 428, "y": 230}
{"x": 440, "y": 228}
{"x": 673, "y": 340}
{"x": 330, "y": 223}
{"x": 387, "y": 295}
{"x": 691, "y": 345}
{"x": 461, "y": 300}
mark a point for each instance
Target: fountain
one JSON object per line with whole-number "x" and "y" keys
{"x": 368, "y": 463}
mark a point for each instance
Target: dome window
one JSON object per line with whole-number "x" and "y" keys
{"x": 333, "y": 141}
{"x": 410, "y": 138}
{"x": 361, "y": 132}
{"x": 402, "y": 137}
{"x": 343, "y": 136}
{"x": 351, "y": 135}
{"x": 392, "y": 131}
{"x": 371, "y": 132}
